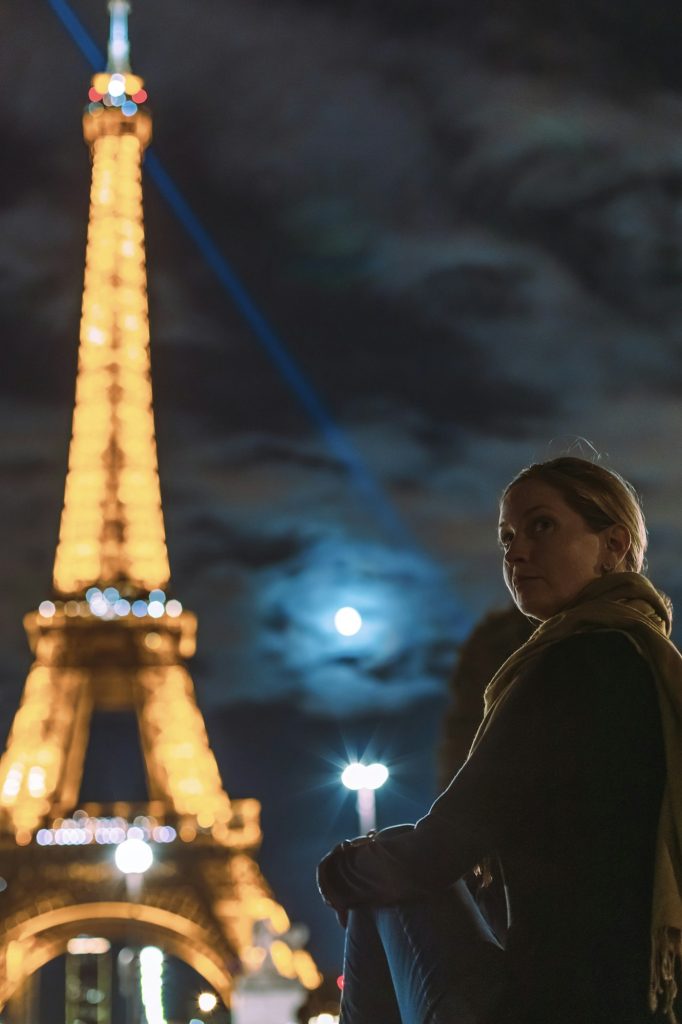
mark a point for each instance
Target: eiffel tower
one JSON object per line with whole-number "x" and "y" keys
{"x": 109, "y": 639}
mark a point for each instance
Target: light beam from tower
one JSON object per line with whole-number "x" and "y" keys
{"x": 334, "y": 435}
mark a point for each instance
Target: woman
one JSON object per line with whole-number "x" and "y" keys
{"x": 571, "y": 797}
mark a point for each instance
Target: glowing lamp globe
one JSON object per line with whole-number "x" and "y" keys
{"x": 353, "y": 776}
{"x": 348, "y": 621}
{"x": 133, "y": 856}
{"x": 207, "y": 1002}
{"x": 364, "y": 776}
{"x": 375, "y": 775}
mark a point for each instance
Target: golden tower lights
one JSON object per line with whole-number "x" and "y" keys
{"x": 108, "y": 639}
{"x": 112, "y": 526}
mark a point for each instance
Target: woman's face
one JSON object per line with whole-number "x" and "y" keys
{"x": 550, "y": 553}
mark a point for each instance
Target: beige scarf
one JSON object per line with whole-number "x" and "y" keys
{"x": 628, "y": 603}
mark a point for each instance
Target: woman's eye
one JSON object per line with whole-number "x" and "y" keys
{"x": 541, "y": 524}
{"x": 505, "y": 540}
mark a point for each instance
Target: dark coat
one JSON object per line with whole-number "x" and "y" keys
{"x": 565, "y": 788}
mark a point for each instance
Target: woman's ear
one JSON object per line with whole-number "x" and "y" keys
{"x": 618, "y": 541}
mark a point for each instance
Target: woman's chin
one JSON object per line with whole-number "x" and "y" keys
{"x": 533, "y": 609}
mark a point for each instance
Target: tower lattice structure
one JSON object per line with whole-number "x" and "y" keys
{"x": 110, "y": 640}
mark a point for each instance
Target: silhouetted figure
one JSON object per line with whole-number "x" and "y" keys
{"x": 571, "y": 795}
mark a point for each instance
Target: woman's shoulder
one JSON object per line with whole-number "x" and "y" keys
{"x": 607, "y": 646}
{"x": 604, "y": 661}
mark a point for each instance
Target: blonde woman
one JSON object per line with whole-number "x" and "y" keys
{"x": 571, "y": 799}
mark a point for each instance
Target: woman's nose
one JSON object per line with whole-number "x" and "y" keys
{"x": 516, "y": 552}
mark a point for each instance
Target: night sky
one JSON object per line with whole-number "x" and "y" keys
{"x": 463, "y": 224}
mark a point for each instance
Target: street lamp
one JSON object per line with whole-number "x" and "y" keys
{"x": 365, "y": 779}
{"x": 207, "y": 1002}
{"x": 133, "y": 857}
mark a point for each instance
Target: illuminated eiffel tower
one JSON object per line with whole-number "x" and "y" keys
{"x": 110, "y": 640}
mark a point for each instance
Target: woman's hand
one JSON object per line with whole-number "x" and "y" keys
{"x": 371, "y": 869}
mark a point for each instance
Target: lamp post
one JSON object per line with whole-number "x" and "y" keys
{"x": 365, "y": 779}
{"x": 133, "y": 857}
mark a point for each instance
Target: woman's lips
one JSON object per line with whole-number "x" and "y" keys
{"x": 520, "y": 581}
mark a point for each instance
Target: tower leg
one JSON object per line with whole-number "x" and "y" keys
{"x": 23, "y": 1006}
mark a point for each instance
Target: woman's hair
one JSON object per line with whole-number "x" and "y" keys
{"x": 601, "y": 496}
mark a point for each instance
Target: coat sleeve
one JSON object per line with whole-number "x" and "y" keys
{"x": 553, "y": 723}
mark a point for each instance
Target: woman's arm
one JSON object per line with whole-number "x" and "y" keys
{"x": 555, "y": 729}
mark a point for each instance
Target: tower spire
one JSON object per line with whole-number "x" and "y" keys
{"x": 112, "y": 531}
{"x": 118, "y": 54}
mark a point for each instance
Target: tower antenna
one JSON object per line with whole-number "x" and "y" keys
{"x": 118, "y": 54}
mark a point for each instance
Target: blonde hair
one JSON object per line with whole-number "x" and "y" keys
{"x": 601, "y": 496}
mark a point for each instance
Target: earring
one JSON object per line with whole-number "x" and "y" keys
{"x": 606, "y": 567}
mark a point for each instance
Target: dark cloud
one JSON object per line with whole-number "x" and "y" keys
{"x": 219, "y": 541}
